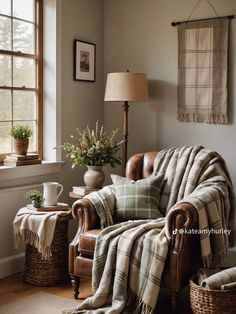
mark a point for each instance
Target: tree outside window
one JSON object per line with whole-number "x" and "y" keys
{"x": 20, "y": 70}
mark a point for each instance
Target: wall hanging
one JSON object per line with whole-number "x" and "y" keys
{"x": 202, "y": 69}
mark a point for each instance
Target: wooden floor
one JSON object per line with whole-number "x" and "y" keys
{"x": 13, "y": 288}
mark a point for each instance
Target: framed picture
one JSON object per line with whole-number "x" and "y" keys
{"x": 84, "y": 61}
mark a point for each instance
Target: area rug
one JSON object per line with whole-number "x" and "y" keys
{"x": 38, "y": 303}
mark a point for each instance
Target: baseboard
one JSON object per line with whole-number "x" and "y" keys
{"x": 11, "y": 265}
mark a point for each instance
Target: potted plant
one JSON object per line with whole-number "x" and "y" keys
{"x": 21, "y": 135}
{"x": 93, "y": 148}
{"x": 36, "y": 197}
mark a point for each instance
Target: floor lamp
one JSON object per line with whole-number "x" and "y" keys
{"x": 126, "y": 86}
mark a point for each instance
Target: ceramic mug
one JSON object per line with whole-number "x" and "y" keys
{"x": 50, "y": 193}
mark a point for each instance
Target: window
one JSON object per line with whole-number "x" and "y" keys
{"x": 21, "y": 71}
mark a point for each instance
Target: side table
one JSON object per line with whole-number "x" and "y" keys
{"x": 51, "y": 272}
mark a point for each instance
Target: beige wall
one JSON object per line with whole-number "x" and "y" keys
{"x": 82, "y": 102}
{"x": 139, "y": 37}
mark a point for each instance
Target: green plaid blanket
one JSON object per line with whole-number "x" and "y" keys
{"x": 200, "y": 176}
{"x": 130, "y": 257}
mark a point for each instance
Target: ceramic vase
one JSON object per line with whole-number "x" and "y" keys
{"x": 94, "y": 177}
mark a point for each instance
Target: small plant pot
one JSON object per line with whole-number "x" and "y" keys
{"x": 36, "y": 204}
{"x": 21, "y": 146}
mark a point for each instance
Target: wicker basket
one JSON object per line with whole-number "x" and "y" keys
{"x": 205, "y": 301}
{"x": 49, "y": 272}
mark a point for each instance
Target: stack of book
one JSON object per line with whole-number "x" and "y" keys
{"x": 83, "y": 190}
{"x": 22, "y": 160}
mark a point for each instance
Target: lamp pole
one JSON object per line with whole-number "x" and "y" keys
{"x": 125, "y": 137}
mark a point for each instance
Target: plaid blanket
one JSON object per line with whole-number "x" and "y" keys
{"x": 202, "y": 71}
{"x": 130, "y": 257}
{"x": 199, "y": 176}
{"x": 129, "y": 260}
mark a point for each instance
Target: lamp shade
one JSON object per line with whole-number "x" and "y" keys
{"x": 126, "y": 86}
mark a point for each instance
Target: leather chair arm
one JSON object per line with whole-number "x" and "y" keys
{"x": 182, "y": 216}
{"x": 185, "y": 254}
{"x": 84, "y": 211}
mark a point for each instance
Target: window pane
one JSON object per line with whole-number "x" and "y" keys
{"x": 24, "y": 9}
{"x": 5, "y": 139}
{"x": 24, "y": 105}
{"x": 5, "y": 105}
{"x": 23, "y": 72}
{"x": 23, "y": 36}
{"x": 5, "y": 33}
{"x": 5, "y": 70}
{"x": 5, "y": 7}
{"x": 32, "y": 139}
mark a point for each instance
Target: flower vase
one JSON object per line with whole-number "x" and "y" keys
{"x": 94, "y": 177}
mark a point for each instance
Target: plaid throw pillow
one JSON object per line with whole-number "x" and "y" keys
{"x": 137, "y": 199}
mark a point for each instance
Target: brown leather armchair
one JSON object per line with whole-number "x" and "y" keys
{"x": 184, "y": 256}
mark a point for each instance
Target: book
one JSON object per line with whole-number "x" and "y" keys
{"x": 83, "y": 190}
{"x": 9, "y": 162}
{"x": 22, "y": 157}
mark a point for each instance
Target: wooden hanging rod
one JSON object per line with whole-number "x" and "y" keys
{"x": 230, "y": 17}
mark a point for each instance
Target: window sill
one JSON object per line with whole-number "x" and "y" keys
{"x": 47, "y": 167}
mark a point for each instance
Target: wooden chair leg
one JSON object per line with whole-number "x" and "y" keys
{"x": 75, "y": 281}
{"x": 174, "y": 300}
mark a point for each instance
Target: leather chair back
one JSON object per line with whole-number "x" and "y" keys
{"x": 140, "y": 166}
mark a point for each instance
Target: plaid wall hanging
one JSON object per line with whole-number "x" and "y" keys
{"x": 202, "y": 71}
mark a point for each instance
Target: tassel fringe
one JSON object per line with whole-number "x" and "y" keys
{"x": 27, "y": 236}
{"x": 203, "y": 118}
{"x": 137, "y": 306}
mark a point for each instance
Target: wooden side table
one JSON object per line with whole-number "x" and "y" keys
{"x": 51, "y": 272}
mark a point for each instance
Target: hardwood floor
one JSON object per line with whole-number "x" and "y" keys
{"x": 13, "y": 288}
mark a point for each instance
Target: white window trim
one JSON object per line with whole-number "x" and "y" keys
{"x": 52, "y": 115}
{"x": 19, "y": 172}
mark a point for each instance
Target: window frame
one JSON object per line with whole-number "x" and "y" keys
{"x": 38, "y": 57}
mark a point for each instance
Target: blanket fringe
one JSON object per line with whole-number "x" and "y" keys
{"x": 136, "y": 305}
{"x": 203, "y": 118}
{"x": 27, "y": 236}
{"x": 210, "y": 261}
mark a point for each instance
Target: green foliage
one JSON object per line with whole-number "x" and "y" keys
{"x": 21, "y": 132}
{"x": 34, "y": 195}
{"x": 16, "y": 35}
{"x": 93, "y": 148}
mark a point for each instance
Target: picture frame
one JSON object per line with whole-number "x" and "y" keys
{"x": 84, "y": 61}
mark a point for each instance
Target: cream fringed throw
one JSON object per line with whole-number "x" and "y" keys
{"x": 129, "y": 257}
{"x": 202, "y": 71}
{"x": 35, "y": 228}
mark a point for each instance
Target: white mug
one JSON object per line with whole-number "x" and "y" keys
{"x": 50, "y": 193}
